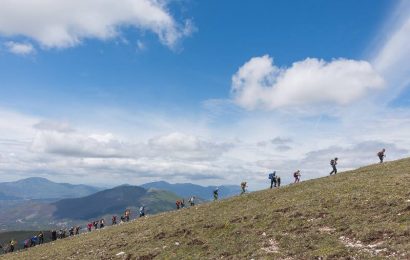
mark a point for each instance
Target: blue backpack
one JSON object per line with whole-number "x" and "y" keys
{"x": 272, "y": 175}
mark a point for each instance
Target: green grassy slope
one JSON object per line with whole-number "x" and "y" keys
{"x": 363, "y": 214}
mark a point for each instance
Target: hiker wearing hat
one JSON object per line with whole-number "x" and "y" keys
{"x": 297, "y": 175}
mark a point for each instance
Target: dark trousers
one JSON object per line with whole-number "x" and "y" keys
{"x": 381, "y": 157}
{"x": 334, "y": 170}
{"x": 272, "y": 183}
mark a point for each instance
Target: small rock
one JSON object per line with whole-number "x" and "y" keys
{"x": 177, "y": 243}
{"x": 120, "y": 253}
{"x": 264, "y": 234}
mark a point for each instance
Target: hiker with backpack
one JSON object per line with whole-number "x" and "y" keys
{"x": 192, "y": 201}
{"x": 77, "y": 230}
{"x": 71, "y": 231}
{"x": 142, "y": 211}
{"x": 114, "y": 220}
{"x": 278, "y": 181}
{"x": 127, "y": 215}
{"x": 178, "y": 204}
{"x": 12, "y": 245}
{"x": 33, "y": 241}
{"x": 272, "y": 177}
{"x": 102, "y": 223}
{"x": 333, "y": 163}
{"x": 26, "y": 244}
{"x": 40, "y": 238}
{"x": 95, "y": 224}
{"x": 297, "y": 175}
{"x": 381, "y": 155}
{"x": 243, "y": 187}
{"x": 216, "y": 191}
{"x": 89, "y": 226}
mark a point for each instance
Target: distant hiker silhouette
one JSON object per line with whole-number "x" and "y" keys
{"x": 216, "y": 191}
{"x": 142, "y": 211}
{"x": 278, "y": 181}
{"x": 333, "y": 163}
{"x": 243, "y": 187}
{"x": 41, "y": 238}
{"x": 102, "y": 223}
{"x": 192, "y": 201}
{"x": 89, "y": 226}
{"x": 114, "y": 220}
{"x": 272, "y": 177}
{"x": 297, "y": 175}
{"x": 381, "y": 155}
{"x": 77, "y": 230}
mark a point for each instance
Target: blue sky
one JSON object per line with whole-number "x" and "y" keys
{"x": 200, "y": 91}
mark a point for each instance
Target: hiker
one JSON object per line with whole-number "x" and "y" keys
{"x": 26, "y": 243}
{"x": 53, "y": 235}
{"x": 216, "y": 193}
{"x": 333, "y": 163}
{"x": 297, "y": 175}
{"x": 122, "y": 218}
{"x": 13, "y": 243}
{"x": 142, "y": 211}
{"x": 272, "y": 177}
{"x": 77, "y": 230}
{"x": 89, "y": 226}
{"x": 71, "y": 231}
{"x": 243, "y": 187}
{"x": 178, "y": 204}
{"x": 114, "y": 220}
{"x": 381, "y": 155}
{"x": 127, "y": 215}
{"x": 41, "y": 238}
{"x": 33, "y": 241}
{"x": 278, "y": 181}
{"x": 95, "y": 224}
{"x": 192, "y": 201}
{"x": 182, "y": 203}
{"x": 102, "y": 222}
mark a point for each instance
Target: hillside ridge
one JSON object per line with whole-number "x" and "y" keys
{"x": 363, "y": 213}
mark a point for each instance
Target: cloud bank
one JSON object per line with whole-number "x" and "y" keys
{"x": 62, "y": 24}
{"x": 259, "y": 84}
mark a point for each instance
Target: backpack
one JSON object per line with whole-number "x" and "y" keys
{"x": 332, "y": 162}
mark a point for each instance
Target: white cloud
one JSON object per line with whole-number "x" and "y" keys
{"x": 259, "y": 84}
{"x": 19, "y": 48}
{"x": 59, "y": 23}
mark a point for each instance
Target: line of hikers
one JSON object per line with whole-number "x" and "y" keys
{"x": 181, "y": 203}
{"x": 275, "y": 181}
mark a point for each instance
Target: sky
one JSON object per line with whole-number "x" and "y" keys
{"x": 209, "y": 92}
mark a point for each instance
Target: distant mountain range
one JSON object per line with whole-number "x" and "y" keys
{"x": 187, "y": 190}
{"x": 114, "y": 201}
{"x": 44, "y": 214}
{"x": 41, "y": 188}
{"x": 37, "y": 203}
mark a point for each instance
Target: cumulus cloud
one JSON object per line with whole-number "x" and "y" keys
{"x": 174, "y": 146}
{"x": 259, "y": 84}
{"x": 19, "y": 48}
{"x": 59, "y": 23}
